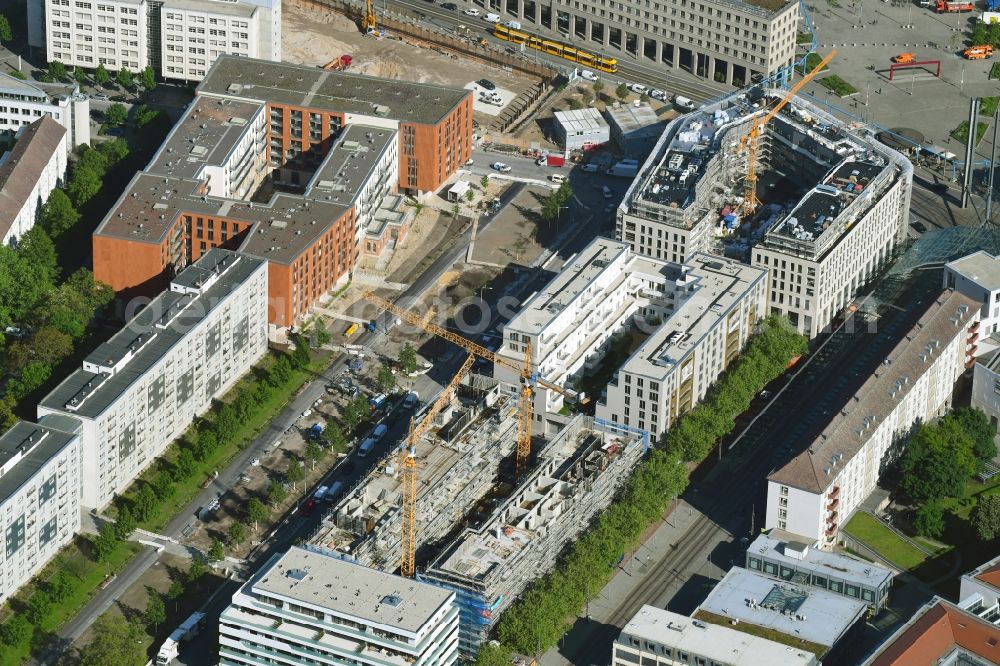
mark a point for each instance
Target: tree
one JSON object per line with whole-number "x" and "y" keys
{"x": 196, "y": 570}
{"x": 257, "y": 512}
{"x": 485, "y": 181}
{"x": 92, "y": 159}
{"x": 38, "y": 607}
{"x": 276, "y": 493}
{"x": 58, "y": 214}
{"x": 17, "y": 74}
{"x": 116, "y": 115}
{"x": 587, "y": 95}
{"x": 16, "y": 630}
{"x": 294, "y": 473}
{"x": 147, "y": 78}
{"x": 455, "y": 210}
{"x": 185, "y": 466}
{"x": 300, "y": 354}
{"x": 114, "y": 150}
{"x": 217, "y": 551}
{"x": 622, "y": 91}
{"x": 573, "y": 103}
{"x": 119, "y": 644}
{"x": 408, "y": 358}
{"x": 80, "y": 76}
{"x": 125, "y": 78}
{"x": 929, "y": 521}
{"x": 598, "y": 89}
{"x": 145, "y": 115}
{"x": 103, "y": 544}
{"x": 57, "y": 70}
{"x": 155, "y": 613}
{"x": 60, "y": 587}
{"x": 937, "y": 462}
{"x": 335, "y": 437}
{"x": 36, "y": 247}
{"x": 101, "y": 76}
{"x": 83, "y": 185}
{"x": 6, "y": 34}
{"x": 977, "y": 426}
{"x": 145, "y": 503}
{"x": 237, "y": 534}
{"x": 314, "y": 453}
{"x": 491, "y": 654}
{"x": 175, "y": 592}
{"x": 985, "y": 517}
{"x": 386, "y": 379}
{"x": 470, "y": 195}
{"x": 125, "y": 525}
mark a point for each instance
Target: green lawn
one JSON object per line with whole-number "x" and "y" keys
{"x": 988, "y": 106}
{"x": 837, "y": 85}
{"x": 86, "y": 576}
{"x": 995, "y": 71}
{"x": 189, "y": 489}
{"x": 884, "y": 541}
{"x": 961, "y": 133}
{"x": 763, "y": 632}
{"x": 962, "y": 506}
{"x": 803, "y": 38}
{"x": 812, "y": 60}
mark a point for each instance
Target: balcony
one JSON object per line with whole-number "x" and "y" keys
{"x": 833, "y": 504}
{"x": 831, "y": 517}
{"x": 830, "y": 531}
{"x": 835, "y": 492}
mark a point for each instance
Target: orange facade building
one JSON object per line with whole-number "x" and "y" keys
{"x": 301, "y": 166}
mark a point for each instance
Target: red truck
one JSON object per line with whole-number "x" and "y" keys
{"x": 551, "y": 160}
{"x": 953, "y": 6}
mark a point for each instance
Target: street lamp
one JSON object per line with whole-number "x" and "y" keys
{"x": 559, "y": 217}
{"x": 482, "y": 289}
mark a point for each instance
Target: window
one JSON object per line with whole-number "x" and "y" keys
{"x": 836, "y": 586}
{"x": 784, "y": 490}
{"x": 852, "y": 591}
{"x": 753, "y": 563}
{"x": 771, "y": 567}
{"x": 868, "y": 595}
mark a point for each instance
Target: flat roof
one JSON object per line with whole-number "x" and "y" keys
{"x": 940, "y": 633}
{"x": 230, "y": 8}
{"x": 981, "y": 267}
{"x": 351, "y": 590}
{"x": 581, "y": 120}
{"x": 206, "y": 135}
{"x": 802, "y": 612}
{"x": 816, "y": 467}
{"x": 844, "y": 567}
{"x": 131, "y": 352}
{"x": 631, "y": 117}
{"x": 711, "y": 641}
{"x": 821, "y": 207}
{"x": 27, "y": 448}
{"x": 314, "y": 88}
{"x": 348, "y": 165}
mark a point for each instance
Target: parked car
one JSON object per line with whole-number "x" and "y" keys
{"x": 588, "y": 75}
{"x": 501, "y": 167}
{"x": 380, "y": 431}
{"x": 470, "y": 162}
{"x": 308, "y": 507}
{"x": 102, "y": 97}
{"x": 492, "y": 18}
{"x": 307, "y": 413}
{"x": 366, "y": 447}
{"x": 513, "y": 25}
{"x": 472, "y": 11}
{"x": 255, "y": 462}
{"x": 450, "y": 6}
{"x": 411, "y": 400}
{"x": 656, "y": 93}
{"x": 486, "y": 83}
{"x": 638, "y": 88}
{"x": 590, "y": 167}
{"x": 607, "y": 192}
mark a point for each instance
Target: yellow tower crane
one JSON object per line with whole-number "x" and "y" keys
{"x": 529, "y": 379}
{"x": 368, "y": 21}
{"x": 748, "y": 142}
{"x": 408, "y": 538}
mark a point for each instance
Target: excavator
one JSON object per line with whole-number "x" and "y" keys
{"x": 369, "y": 24}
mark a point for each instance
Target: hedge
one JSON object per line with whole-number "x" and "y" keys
{"x": 540, "y": 617}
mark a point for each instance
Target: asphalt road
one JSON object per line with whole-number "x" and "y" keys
{"x": 629, "y": 70}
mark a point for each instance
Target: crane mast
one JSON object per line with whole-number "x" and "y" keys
{"x": 749, "y": 141}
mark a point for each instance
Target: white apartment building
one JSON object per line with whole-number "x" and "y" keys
{"x": 657, "y": 636}
{"x": 816, "y": 493}
{"x": 726, "y": 41}
{"x": 23, "y": 102}
{"x": 820, "y": 247}
{"x": 141, "y": 389}
{"x": 978, "y": 277}
{"x": 88, "y": 33}
{"x": 196, "y": 32}
{"x": 28, "y": 174}
{"x": 180, "y": 39}
{"x": 986, "y": 386}
{"x": 695, "y": 318}
{"x": 305, "y": 607}
{"x": 40, "y": 483}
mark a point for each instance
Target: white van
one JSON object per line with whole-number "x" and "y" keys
{"x": 334, "y": 491}
{"x": 557, "y": 178}
{"x": 513, "y": 25}
{"x": 492, "y": 18}
{"x": 366, "y": 447}
{"x": 380, "y": 432}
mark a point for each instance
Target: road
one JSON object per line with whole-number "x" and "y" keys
{"x": 628, "y": 70}
{"x": 730, "y": 498}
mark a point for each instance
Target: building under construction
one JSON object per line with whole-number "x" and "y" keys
{"x": 830, "y": 203}
{"x": 478, "y": 532}
{"x": 490, "y": 563}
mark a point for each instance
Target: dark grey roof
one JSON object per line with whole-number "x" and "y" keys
{"x": 315, "y": 88}
{"x": 39, "y": 444}
{"x": 121, "y": 361}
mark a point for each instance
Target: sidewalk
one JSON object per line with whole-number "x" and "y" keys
{"x": 623, "y": 595}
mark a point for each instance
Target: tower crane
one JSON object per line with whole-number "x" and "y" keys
{"x": 408, "y": 537}
{"x": 368, "y": 21}
{"x": 529, "y": 379}
{"x": 749, "y": 140}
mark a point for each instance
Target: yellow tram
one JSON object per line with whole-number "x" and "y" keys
{"x": 555, "y": 48}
